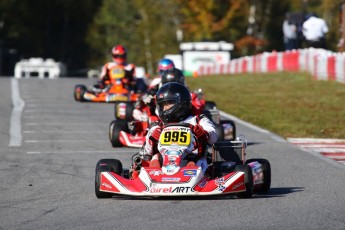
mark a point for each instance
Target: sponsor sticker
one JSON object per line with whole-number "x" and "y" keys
{"x": 191, "y": 172}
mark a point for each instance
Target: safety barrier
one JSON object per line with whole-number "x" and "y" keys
{"x": 37, "y": 67}
{"x": 321, "y": 64}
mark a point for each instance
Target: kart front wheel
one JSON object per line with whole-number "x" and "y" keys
{"x": 115, "y": 128}
{"x": 124, "y": 110}
{"x": 266, "y": 168}
{"x": 248, "y": 180}
{"x": 79, "y": 91}
{"x": 106, "y": 165}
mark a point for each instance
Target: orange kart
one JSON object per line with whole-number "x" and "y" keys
{"x": 115, "y": 90}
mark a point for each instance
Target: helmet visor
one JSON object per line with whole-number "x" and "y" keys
{"x": 119, "y": 55}
{"x": 166, "y": 104}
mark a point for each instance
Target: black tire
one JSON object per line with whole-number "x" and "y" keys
{"x": 266, "y": 167}
{"x": 115, "y": 128}
{"x": 129, "y": 110}
{"x": 220, "y": 132}
{"x": 79, "y": 91}
{"x": 210, "y": 105}
{"x": 229, "y": 126}
{"x": 106, "y": 165}
{"x": 248, "y": 180}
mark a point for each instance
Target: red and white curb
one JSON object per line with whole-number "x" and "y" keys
{"x": 331, "y": 148}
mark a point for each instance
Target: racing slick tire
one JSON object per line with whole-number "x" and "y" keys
{"x": 220, "y": 132}
{"x": 79, "y": 91}
{"x": 124, "y": 115}
{"x": 210, "y": 105}
{"x": 229, "y": 129}
{"x": 266, "y": 168}
{"x": 115, "y": 128}
{"x": 248, "y": 180}
{"x": 106, "y": 165}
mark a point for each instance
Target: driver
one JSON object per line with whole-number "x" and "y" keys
{"x": 119, "y": 55}
{"x": 173, "y": 101}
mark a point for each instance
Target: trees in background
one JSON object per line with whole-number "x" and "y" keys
{"x": 81, "y": 33}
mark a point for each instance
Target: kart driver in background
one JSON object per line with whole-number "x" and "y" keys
{"x": 119, "y": 56}
{"x": 171, "y": 74}
{"x": 173, "y": 101}
{"x": 163, "y": 65}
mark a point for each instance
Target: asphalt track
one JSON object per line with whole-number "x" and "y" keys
{"x": 47, "y": 174}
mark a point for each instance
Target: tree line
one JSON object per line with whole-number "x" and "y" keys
{"x": 81, "y": 33}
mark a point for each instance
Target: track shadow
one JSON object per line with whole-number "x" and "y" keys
{"x": 254, "y": 143}
{"x": 272, "y": 193}
{"x": 280, "y": 192}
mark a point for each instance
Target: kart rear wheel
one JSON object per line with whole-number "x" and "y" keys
{"x": 115, "y": 128}
{"x": 106, "y": 165}
{"x": 248, "y": 180}
{"x": 210, "y": 105}
{"x": 79, "y": 91}
{"x": 124, "y": 115}
{"x": 229, "y": 129}
{"x": 266, "y": 168}
{"x": 220, "y": 132}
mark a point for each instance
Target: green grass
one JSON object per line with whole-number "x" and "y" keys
{"x": 289, "y": 104}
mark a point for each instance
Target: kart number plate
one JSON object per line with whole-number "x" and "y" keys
{"x": 176, "y": 136}
{"x": 117, "y": 73}
{"x": 115, "y": 97}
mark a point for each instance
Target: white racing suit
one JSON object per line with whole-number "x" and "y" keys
{"x": 202, "y": 120}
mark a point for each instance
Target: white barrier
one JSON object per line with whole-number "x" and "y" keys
{"x": 37, "y": 67}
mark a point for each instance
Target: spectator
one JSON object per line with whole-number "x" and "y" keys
{"x": 314, "y": 30}
{"x": 290, "y": 33}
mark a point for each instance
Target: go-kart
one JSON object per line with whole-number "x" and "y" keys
{"x": 131, "y": 133}
{"x": 114, "y": 90}
{"x": 228, "y": 171}
{"x": 125, "y": 131}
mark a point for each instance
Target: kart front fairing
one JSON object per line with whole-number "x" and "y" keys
{"x": 189, "y": 181}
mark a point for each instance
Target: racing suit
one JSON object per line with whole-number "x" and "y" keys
{"x": 129, "y": 80}
{"x": 150, "y": 147}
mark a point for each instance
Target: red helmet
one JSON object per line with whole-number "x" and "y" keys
{"x": 119, "y": 53}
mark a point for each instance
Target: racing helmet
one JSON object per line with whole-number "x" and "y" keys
{"x": 172, "y": 75}
{"x": 178, "y": 99}
{"x": 164, "y": 64}
{"x": 119, "y": 54}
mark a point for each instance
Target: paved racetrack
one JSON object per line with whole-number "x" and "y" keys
{"x": 48, "y": 181}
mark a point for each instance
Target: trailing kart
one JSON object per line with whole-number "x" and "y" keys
{"x": 114, "y": 91}
{"x": 228, "y": 172}
{"x": 125, "y": 131}
{"x": 132, "y": 133}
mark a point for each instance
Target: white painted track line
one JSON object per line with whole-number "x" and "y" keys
{"x": 15, "y": 126}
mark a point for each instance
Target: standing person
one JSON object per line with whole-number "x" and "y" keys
{"x": 119, "y": 56}
{"x": 173, "y": 101}
{"x": 314, "y": 31}
{"x": 290, "y": 33}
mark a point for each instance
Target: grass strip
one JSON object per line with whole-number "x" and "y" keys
{"x": 289, "y": 104}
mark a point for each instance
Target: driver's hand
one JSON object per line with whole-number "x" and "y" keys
{"x": 156, "y": 134}
{"x": 200, "y": 133}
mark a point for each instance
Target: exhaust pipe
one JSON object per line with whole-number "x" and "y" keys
{"x": 137, "y": 168}
{"x": 137, "y": 160}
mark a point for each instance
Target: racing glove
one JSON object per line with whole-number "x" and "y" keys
{"x": 147, "y": 99}
{"x": 155, "y": 135}
{"x": 200, "y": 132}
{"x": 124, "y": 81}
